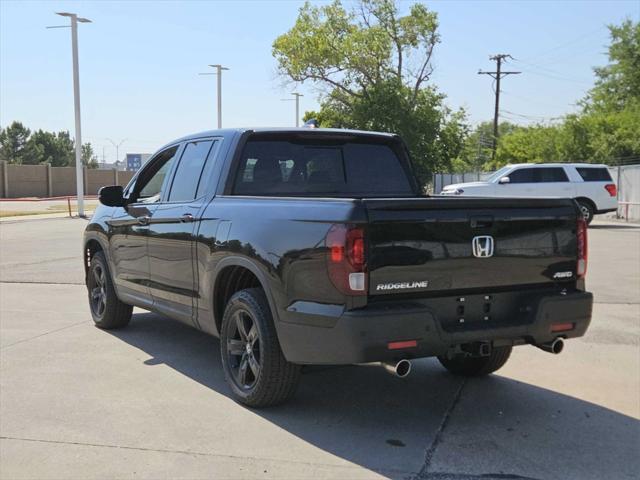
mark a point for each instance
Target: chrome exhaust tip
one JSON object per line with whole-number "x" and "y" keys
{"x": 554, "y": 347}
{"x": 400, "y": 369}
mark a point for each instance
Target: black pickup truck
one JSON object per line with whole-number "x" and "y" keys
{"x": 317, "y": 246}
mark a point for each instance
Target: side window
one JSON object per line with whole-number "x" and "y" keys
{"x": 552, "y": 174}
{"x": 207, "y": 171}
{"x": 187, "y": 176}
{"x": 591, "y": 174}
{"x": 522, "y": 175}
{"x": 150, "y": 180}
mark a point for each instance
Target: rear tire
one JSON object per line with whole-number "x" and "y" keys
{"x": 107, "y": 310}
{"x": 252, "y": 360}
{"x": 587, "y": 211}
{"x": 477, "y": 366}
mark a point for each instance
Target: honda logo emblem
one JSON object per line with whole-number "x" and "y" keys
{"x": 482, "y": 247}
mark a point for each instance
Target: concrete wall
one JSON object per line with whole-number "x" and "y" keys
{"x": 3, "y": 169}
{"x": 63, "y": 181}
{"x": 626, "y": 177}
{"x": 95, "y": 179}
{"x": 18, "y": 181}
{"x": 27, "y": 180}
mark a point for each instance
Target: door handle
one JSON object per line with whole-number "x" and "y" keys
{"x": 186, "y": 218}
{"x": 144, "y": 220}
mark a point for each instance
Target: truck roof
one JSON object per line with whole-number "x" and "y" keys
{"x": 227, "y": 132}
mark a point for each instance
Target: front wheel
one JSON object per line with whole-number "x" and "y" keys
{"x": 106, "y": 308}
{"x": 477, "y": 366}
{"x": 253, "y": 363}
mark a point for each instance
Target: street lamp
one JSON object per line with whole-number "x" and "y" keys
{"x": 117, "y": 145}
{"x": 218, "y": 72}
{"x": 297, "y": 100}
{"x": 76, "y": 102}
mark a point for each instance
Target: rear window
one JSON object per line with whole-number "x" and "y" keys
{"x": 590, "y": 174}
{"x": 279, "y": 167}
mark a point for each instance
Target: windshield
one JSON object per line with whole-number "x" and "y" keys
{"x": 497, "y": 175}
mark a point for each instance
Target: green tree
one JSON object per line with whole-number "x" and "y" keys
{"x": 89, "y": 159}
{"x": 373, "y": 66}
{"x": 15, "y": 146}
{"x": 477, "y": 149}
{"x": 618, "y": 83}
{"x": 56, "y": 149}
{"x": 606, "y": 130}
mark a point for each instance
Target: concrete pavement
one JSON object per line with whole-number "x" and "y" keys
{"x": 150, "y": 401}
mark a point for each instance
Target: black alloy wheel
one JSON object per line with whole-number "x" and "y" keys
{"x": 97, "y": 290}
{"x": 244, "y": 349}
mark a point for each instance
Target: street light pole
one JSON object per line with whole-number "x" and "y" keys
{"x": 297, "y": 95}
{"x": 76, "y": 102}
{"x": 117, "y": 145}
{"x": 297, "y": 100}
{"x": 219, "y": 69}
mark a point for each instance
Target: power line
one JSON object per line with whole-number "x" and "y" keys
{"x": 567, "y": 43}
{"x": 546, "y": 72}
{"x": 497, "y": 75}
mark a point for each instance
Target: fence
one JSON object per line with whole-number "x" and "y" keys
{"x": 626, "y": 177}
{"x": 20, "y": 181}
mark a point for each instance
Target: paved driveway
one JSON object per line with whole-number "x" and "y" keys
{"x": 150, "y": 401}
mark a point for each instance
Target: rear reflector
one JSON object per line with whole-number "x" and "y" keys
{"x": 561, "y": 327}
{"x": 612, "y": 189}
{"x": 401, "y": 345}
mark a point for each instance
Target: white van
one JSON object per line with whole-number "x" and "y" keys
{"x": 591, "y": 185}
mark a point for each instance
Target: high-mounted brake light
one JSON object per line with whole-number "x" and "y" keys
{"x": 346, "y": 259}
{"x": 581, "y": 269}
{"x": 612, "y": 189}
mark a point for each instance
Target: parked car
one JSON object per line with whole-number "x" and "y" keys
{"x": 590, "y": 185}
{"x": 316, "y": 246}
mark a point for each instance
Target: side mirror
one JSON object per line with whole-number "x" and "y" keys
{"x": 111, "y": 196}
{"x": 504, "y": 180}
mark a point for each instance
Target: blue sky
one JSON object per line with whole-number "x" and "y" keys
{"x": 139, "y": 63}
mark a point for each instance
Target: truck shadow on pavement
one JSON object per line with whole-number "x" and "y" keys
{"x": 429, "y": 425}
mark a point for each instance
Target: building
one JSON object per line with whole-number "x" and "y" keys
{"x": 135, "y": 160}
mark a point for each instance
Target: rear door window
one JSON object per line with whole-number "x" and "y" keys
{"x": 591, "y": 174}
{"x": 538, "y": 175}
{"x": 314, "y": 167}
{"x": 550, "y": 174}
{"x": 187, "y": 175}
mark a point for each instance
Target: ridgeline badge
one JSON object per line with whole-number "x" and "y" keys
{"x": 402, "y": 285}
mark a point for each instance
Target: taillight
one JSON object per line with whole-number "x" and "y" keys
{"x": 581, "y": 231}
{"x": 346, "y": 259}
{"x": 612, "y": 189}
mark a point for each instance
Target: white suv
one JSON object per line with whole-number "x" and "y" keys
{"x": 591, "y": 185}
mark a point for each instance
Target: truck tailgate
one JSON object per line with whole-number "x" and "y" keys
{"x": 427, "y": 244}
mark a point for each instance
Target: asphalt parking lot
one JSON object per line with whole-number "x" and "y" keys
{"x": 150, "y": 401}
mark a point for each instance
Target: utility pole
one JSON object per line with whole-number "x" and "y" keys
{"x": 76, "y": 102}
{"x": 297, "y": 100}
{"x": 218, "y": 72}
{"x": 497, "y": 75}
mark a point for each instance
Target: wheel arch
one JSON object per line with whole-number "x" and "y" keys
{"x": 91, "y": 245}
{"x": 588, "y": 201}
{"x": 233, "y": 274}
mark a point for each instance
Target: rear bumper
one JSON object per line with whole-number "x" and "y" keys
{"x": 330, "y": 335}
